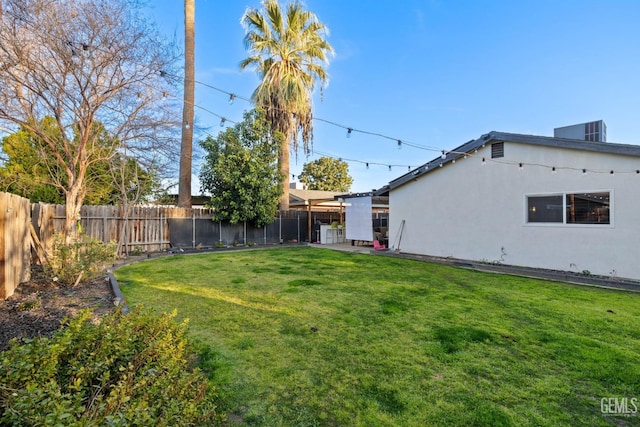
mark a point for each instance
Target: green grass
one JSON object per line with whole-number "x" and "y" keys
{"x": 307, "y": 336}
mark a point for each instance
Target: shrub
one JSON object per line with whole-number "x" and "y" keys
{"x": 128, "y": 370}
{"x": 85, "y": 257}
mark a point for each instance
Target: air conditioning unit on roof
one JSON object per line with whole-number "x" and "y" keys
{"x": 590, "y": 131}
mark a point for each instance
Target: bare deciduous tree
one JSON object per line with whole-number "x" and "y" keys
{"x": 84, "y": 63}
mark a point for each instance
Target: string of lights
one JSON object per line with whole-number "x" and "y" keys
{"x": 83, "y": 46}
{"x": 363, "y": 162}
{"x": 224, "y": 120}
{"x": 233, "y": 96}
{"x": 554, "y": 169}
{"x": 350, "y": 130}
{"x": 444, "y": 153}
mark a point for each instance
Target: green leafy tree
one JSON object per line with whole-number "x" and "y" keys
{"x": 30, "y": 169}
{"x": 326, "y": 174}
{"x": 240, "y": 171}
{"x": 23, "y": 171}
{"x": 289, "y": 52}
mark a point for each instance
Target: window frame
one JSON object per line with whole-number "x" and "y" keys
{"x": 564, "y": 222}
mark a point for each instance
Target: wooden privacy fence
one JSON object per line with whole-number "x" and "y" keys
{"x": 145, "y": 228}
{"x": 159, "y": 228}
{"x": 15, "y": 243}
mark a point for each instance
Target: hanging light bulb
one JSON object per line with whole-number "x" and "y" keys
{"x": 232, "y": 96}
{"x": 440, "y": 165}
{"x": 453, "y": 161}
{"x": 222, "y": 121}
{"x": 399, "y": 144}
{"x": 444, "y": 155}
{"x": 409, "y": 168}
{"x": 349, "y": 130}
{"x": 367, "y": 165}
{"x": 520, "y": 168}
{"x": 484, "y": 161}
{"x": 553, "y": 170}
{"x": 186, "y": 125}
{"x": 389, "y": 168}
{"x": 611, "y": 172}
{"x": 584, "y": 171}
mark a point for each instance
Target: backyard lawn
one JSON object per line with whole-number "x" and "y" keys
{"x": 307, "y": 336}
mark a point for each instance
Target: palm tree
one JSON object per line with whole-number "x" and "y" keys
{"x": 289, "y": 52}
{"x": 186, "y": 144}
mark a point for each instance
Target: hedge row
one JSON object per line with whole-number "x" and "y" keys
{"x": 131, "y": 369}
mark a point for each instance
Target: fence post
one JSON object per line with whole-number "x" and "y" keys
{"x": 161, "y": 233}
{"x": 298, "y": 226}
{"x": 264, "y": 227}
{"x": 245, "y": 233}
{"x": 193, "y": 229}
{"x": 280, "y": 227}
{"x": 220, "y": 225}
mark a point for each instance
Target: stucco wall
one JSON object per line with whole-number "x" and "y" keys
{"x": 470, "y": 211}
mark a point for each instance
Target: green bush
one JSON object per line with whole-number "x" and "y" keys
{"x": 87, "y": 256}
{"x": 127, "y": 370}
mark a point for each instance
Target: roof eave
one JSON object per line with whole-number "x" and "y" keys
{"x": 488, "y": 138}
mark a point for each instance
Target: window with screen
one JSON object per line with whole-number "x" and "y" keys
{"x": 570, "y": 208}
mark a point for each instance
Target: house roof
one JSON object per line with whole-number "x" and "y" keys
{"x": 493, "y": 136}
{"x": 333, "y": 199}
{"x": 297, "y": 196}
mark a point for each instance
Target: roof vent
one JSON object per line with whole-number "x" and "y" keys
{"x": 590, "y": 131}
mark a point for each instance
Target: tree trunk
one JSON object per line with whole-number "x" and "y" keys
{"x": 73, "y": 200}
{"x": 186, "y": 145}
{"x": 283, "y": 165}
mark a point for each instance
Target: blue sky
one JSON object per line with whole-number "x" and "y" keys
{"x": 435, "y": 73}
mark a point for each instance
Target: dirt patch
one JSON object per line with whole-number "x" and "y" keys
{"x": 38, "y": 307}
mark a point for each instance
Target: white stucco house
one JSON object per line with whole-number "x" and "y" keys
{"x": 544, "y": 202}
